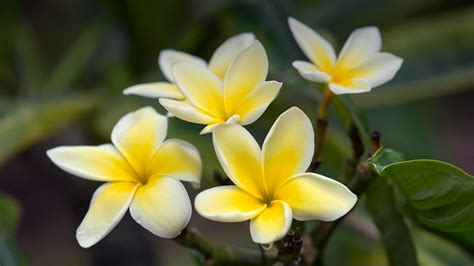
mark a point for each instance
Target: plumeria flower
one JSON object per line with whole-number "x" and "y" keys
{"x": 271, "y": 185}
{"x": 142, "y": 172}
{"x": 359, "y": 67}
{"x": 218, "y": 64}
{"x": 241, "y": 97}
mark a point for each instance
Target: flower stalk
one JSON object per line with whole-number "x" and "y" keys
{"x": 321, "y": 126}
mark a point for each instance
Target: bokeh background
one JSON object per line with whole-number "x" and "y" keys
{"x": 64, "y": 64}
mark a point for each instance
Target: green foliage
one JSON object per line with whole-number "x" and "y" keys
{"x": 438, "y": 195}
{"x": 9, "y": 218}
{"x": 394, "y": 232}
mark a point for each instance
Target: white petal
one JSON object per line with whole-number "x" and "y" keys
{"x": 109, "y": 204}
{"x": 361, "y": 44}
{"x": 168, "y": 57}
{"x": 155, "y": 90}
{"x": 162, "y": 206}
{"x": 356, "y": 86}
{"x": 316, "y": 197}
{"x": 257, "y": 101}
{"x": 272, "y": 224}
{"x": 210, "y": 128}
{"x": 311, "y": 72}
{"x": 201, "y": 87}
{"x": 248, "y": 70}
{"x": 138, "y": 134}
{"x": 227, "y": 51}
{"x": 99, "y": 163}
{"x": 178, "y": 159}
{"x": 228, "y": 204}
{"x": 379, "y": 68}
{"x": 315, "y": 47}
{"x": 288, "y": 148}
{"x": 187, "y": 112}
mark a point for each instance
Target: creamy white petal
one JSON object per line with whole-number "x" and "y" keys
{"x": 248, "y": 70}
{"x": 316, "y": 197}
{"x": 108, "y": 205}
{"x": 187, "y": 112}
{"x": 271, "y": 224}
{"x": 239, "y": 156}
{"x": 378, "y": 68}
{"x": 99, "y": 163}
{"x": 178, "y": 159}
{"x": 162, "y": 206}
{"x": 168, "y": 57}
{"x": 361, "y": 44}
{"x": 311, "y": 72}
{"x": 257, "y": 101}
{"x": 138, "y": 134}
{"x": 201, "y": 87}
{"x": 228, "y": 204}
{"x": 288, "y": 148}
{"x": 315, "y": 47}
{"x": 210, "y": 128}
{"x": 155, "y": 90}
{"x": 355, "y": 86}
{"x": 227, "y": 51}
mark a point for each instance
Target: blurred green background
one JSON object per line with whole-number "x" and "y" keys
{"x": 64, "y": 64}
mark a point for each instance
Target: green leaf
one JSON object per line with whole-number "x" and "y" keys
{"x": 75, "y": 60}
{"x": 22, "y": 126}
{"x": 9, "y": 214}
{"x": 439, "y": 197}
{"x": 395, "y": 234}
{"x": 9, "y": 253}
{"x": 384, "y": 157}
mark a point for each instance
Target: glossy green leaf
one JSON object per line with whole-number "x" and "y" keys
{"x": 384, "y": 157}
{"x": 438, "y": 195}
{"x": 395, "y": 234}
{"x": 9, "y": 214}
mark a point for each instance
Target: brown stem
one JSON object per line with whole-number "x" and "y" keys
{"x": 289, "y": 248}
{"x": 321, "y": 126}
{"x": 216, "y": 255}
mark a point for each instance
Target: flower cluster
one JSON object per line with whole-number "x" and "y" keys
{"x": 143, "y": 171}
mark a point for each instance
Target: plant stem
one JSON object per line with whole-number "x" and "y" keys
{"x": 321, "y": 126}
{"x": 262, "y": 255}
{"x": 361, "y": 180}
{"x": 214, "y": 255}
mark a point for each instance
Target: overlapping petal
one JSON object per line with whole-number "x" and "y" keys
{"x": 100, "y": 163}
{"x": 288, "y": 148}
{"x": 178, "y": 159}
{"x": 155, "y": 90}
{"x": 162, "y": 206}
{"x": 311, "y": 72}
{"x": 187, "y": 112}
{"x": 138, "y": 134}
{"x": 316, "y": 197}
{"x": 351, "y": 86}
{"x": 227, "y": 51}
{"x": 247, "y": 71}
{"x": 169, "y": 57}
{"x": 240, "y": 157}
{"x": 228, "y": 204}
{"x": 315, "y": 47}
{"x": 109, "y": 204}
{"x": 201, "y": 87}
{"x": 257, "y": 101}
{"x": 379, "y": 68}
{"x": 361, "y": 44}
{"x": 271, "y": 224}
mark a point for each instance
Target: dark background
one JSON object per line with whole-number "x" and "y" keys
{"x": 64, "y": 64}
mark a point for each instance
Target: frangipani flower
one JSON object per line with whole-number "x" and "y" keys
{"x": 241, "y": 97}
{"x": 271, "y": 186}
{"x": 359, "y": 67}
{"x": 142, "y": 172}
{"x": 218, "y": 64}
